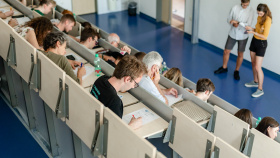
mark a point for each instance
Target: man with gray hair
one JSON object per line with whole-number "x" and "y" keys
{"x": 114, "y": 39}
{"x": 150, "y": 81}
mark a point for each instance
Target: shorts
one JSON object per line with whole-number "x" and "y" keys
{"x": 241, "y": 44}
{"x": 258, "y": 46}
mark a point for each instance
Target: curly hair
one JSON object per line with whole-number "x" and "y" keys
{"x": 42, "y": 26}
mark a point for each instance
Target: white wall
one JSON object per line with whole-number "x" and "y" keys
{"x": 66, "y": 4}
{"x": 214, "y": 29}
{"x": 108, "y": 6}
{"x": 148, "y": 7}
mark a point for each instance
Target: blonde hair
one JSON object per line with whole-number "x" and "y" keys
{"x": 175, "y": 75}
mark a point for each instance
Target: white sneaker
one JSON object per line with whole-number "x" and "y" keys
{"x": 258, "y": 93}
{"x": 252, "y": 84}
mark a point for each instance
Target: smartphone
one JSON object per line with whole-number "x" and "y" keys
{"x": 70, "y": 57}
{"x": 246, "y": 32}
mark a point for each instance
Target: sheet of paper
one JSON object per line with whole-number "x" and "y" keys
{"x": 172, "y": 99}
{"x": 77, "y": 58}
{"x": 89, "y": 71}
{"x": 147, "y": 116}
{"x": 22, "y": 20}
{"x": 3, "y": 4}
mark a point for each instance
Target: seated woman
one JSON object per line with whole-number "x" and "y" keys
{"x": 45, "y": 7}
{"x": 54, "y": 46}
{"x": 245, "y": 115}
{"x": 35, "y": 31}
{"x": 175, "y": 75}
{"x": 112, "y": 58}
{"x": 269, "y": 127}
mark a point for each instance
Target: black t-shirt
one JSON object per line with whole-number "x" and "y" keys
{"x": 106, "y": 94}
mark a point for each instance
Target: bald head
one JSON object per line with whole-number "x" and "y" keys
{"x": 114, "y": 39}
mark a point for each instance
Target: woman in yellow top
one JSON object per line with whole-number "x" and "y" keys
{"x": 258, "y": 47}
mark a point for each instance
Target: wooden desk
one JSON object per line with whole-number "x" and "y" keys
{"x": 149, "y": 129}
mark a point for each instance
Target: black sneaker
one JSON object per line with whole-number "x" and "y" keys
{"x": 220, "y": 70}
{"x": 236, "y": 75}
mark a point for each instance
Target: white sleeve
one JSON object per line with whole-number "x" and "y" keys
{"x": 230, "y": 16}
{"x": 149, "y": 86}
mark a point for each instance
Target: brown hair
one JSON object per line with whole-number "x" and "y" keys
{"x": 245, "y": 115}
{"x": 140, "y": 55}
{"x": 69, "y": 17}
{"x": 265, "y": 123}
{"x": 174, "y": 74}
{"x": 205, "y": 84}
{"x": 66, "y": 12}
{"x": 245, "y": 1}
{"x": 47, "y": 2}
{"x": 87, "y": 33}
{"x": 42, "y": 26}
{"x": 129, "y": 66}
{"x": 86, "y": 24}
{"x": 264, "y": 8}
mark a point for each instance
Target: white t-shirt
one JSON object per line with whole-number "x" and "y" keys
{"x": 149, "y": 86}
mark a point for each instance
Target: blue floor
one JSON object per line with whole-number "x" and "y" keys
{"x": 15, "y": 140}
{"x": 195, "y": 61}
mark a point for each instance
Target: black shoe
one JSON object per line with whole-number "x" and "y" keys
{"x": 220, "y": 70}
{"x": 236, "y": 75}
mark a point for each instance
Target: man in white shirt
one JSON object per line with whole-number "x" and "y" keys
{"x": 240, "y": 16}
{"x": 150, "y": 81}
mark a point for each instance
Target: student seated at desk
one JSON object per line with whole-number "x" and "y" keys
{"x": 112, "y": 58}
{"x": 127, "y": 75}
{"x": 245, "y": 115}
{"x": 35, "y": 31}
{"x": 140, "y": 55}
{"x": 89, "y": 38}
{"x": 268, "y": 126}
{"x": 45, "y": 7}
{"x": 175, "y": 75}
{"x": 56, "y": 21}
{"x": 114, "y": 39}
{"x": 66, "y": 24}
{"x": 204, "y": 89}
{"x": 54, "y": 46}
{"x": 150, "y": 80}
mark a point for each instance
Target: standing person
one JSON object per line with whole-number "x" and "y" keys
{"x": 258, "y": 47}
{"x": 240, "y": 16}
{"x": 128, "y": 73}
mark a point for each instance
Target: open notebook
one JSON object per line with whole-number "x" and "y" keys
{"x": 172, "y": 99}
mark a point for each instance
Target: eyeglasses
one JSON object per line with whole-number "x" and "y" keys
{"x": 96, "y": 42}
{"x": 135, "y": 83}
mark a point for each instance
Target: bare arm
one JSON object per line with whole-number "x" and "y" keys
{"x": 31, "y": 38}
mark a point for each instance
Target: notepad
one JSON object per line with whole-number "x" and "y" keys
{"x": 89, "y": 71}
{"x": 172, "y": 99}
{"x": 22, "y": 20}
{"x": 147, "y": 116}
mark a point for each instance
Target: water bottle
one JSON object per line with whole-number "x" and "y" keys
{"x": 258, "y": 121}
{"x": 97, "y": 68}
{"x": 164, "y": 68}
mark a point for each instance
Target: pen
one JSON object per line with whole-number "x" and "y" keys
{"x": 133, "y": 116}
{"x": 81, "y": 64}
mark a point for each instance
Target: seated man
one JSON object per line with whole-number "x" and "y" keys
{"x": 89, "y": 38}
{"x": 114, "y": 39}
{"x": 150, "y": 81}
{"x": 127, "y": 75}
{"x": 54, "y": 46}
{"x": 66, "y": 24}
{"x": 204, "y": 89}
